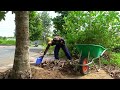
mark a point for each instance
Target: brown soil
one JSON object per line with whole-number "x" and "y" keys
{"x": 50, "y": 70}
{"x": 65, "y": 70}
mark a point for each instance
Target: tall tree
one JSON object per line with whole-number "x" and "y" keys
{"x": 58, "y": 22}
{"x": 21, "y": 68}
{"x": 35, "y": 26}
{"x": 46, "y": 21}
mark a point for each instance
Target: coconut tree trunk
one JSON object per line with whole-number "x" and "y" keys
{"x": 21, "y": 68}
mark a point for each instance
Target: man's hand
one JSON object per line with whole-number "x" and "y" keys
{"x": 41, "y": 56}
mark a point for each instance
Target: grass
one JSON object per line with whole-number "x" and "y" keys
{"x": 114, "y": 60}
{"x": 7, "y": 42}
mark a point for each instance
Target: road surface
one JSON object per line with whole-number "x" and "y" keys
{"x": 7, "y": 54}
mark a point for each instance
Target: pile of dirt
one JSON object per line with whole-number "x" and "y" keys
{"x": 63, "y": 66}
{"x": 40, "y": 73}
{"x": 37, "y": 73}
{"x": 66, "y": 70}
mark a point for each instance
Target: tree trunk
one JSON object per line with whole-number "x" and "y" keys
{"x": 21, "y": 68}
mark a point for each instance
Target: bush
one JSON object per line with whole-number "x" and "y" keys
{"x": 95, "y": 27}
{"x": 115, "y": 59}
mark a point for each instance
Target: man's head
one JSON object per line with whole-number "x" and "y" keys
{"x": 57, "y": 37}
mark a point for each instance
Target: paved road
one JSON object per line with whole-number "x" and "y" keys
{"x": 7, "y": 54}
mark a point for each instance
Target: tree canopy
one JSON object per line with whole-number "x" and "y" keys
{"x": 35, "y": 26}
{"x": 58, "y": 22}
{"x": 88, "y": 27}
{"x": 2, "y": 15}
{"x": 46, "y": 22}
{"x": 39, "y": 25}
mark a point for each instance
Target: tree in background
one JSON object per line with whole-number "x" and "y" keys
{"x": 35, "y": 26}
{"x": 46, "y": 22}
{"x": 2, "y": 15}
{"x": 58, "y": 22}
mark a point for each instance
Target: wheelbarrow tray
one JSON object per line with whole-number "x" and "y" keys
{"x": 91, "y": 50}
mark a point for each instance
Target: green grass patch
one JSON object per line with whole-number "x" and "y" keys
{"x": 7, "y": 42}
{"x": 114, "y": 60}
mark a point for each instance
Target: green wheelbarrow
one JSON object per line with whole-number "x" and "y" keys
{"x": 88, "y": 54}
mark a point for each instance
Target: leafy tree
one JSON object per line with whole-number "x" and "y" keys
{"x": 95, "y": 27}
{"x": 2, "y": 15}
{"x": 46, "y": 21}
{"x": 58, "y": 22}
{"x": 35, "y": 26}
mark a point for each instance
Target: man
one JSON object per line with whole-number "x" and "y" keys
{"x": 59, "y": 43}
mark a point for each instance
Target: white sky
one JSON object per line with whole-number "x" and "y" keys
{"x": 7, "y": 27}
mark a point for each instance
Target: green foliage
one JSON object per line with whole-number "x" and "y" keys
{"x": 58, "y": 22}
{"x": 115, "y": 59}
{"x": 4, "y": 41}
{"x": 35, "y": 26}
{"x": 94, "y": 27}
{"x": 2, "y": 15}
{"x": 46, "y": 22}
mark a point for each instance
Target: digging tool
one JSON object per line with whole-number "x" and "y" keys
{"x": 39, "y": 59}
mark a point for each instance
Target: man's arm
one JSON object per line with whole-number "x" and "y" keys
{"x": 49, "y": 44}
{"x": 46, "y": 49}
{"x": 62, "y": 41}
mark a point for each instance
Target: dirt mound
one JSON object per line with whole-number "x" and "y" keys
{"x": 40, "y": 73}
{"x": 63, "y": 66}
{"x": 66, "y": 70}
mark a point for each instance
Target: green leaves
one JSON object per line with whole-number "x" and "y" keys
{"x": 39, "y": 24}
{"x": 58, "y": 22}
{"x": 94, "y": 27}
{"x": 46, "y": 22}
{"x": 2, "y": 15}
{"x": 35, "y": 26}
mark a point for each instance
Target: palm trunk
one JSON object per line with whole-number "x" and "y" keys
{"x": 21, "y": 67}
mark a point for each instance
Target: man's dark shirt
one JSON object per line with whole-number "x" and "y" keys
{"x": 58, "y": 42}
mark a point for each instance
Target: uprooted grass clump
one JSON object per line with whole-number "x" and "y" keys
{"x": 63, "y": 66}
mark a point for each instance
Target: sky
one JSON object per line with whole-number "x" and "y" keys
{"x": 7, "y": 27}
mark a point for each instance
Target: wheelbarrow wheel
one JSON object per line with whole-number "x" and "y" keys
{"x": 84, "y": 69}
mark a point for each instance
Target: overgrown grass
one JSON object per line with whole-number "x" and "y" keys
{"x": 114, "y": 59}
{"x": 7, "y": 42}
